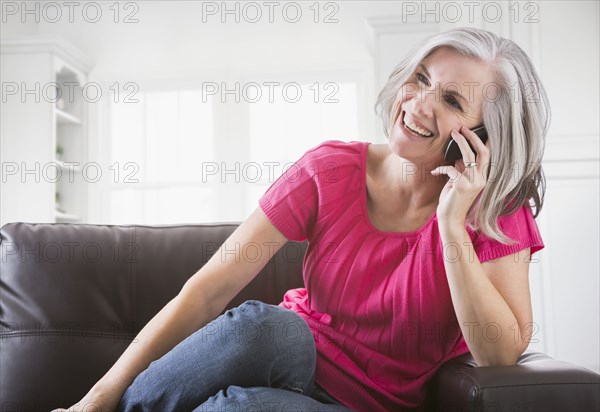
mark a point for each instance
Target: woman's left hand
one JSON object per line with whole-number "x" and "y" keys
{"x": 464, "y": 184}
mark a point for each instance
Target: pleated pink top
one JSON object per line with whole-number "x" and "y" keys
{"x": 378, "y": 302}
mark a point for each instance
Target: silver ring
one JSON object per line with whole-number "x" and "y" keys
{"x": 470, "y": 164}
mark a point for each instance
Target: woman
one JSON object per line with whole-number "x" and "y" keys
{"x": 412, "y": 260}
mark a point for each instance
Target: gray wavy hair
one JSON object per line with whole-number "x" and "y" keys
{"x": 517, "y": 121}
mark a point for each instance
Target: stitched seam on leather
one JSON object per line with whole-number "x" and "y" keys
{"x": 65, "y": 332}
{"x": 539, "y": 384}
{"x": 479, "y": 388}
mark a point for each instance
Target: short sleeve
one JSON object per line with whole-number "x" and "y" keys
{"x": 291, "y": 201}
{"x": 520, "y": 226}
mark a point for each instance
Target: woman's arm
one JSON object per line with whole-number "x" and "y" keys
{"x": 491, "y": 299}
{"x": 202, "y": 299}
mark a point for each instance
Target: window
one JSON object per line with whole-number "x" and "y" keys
{"x": 169, "y": 139}
{"x": 159, "y": 144}
{"x": 282, "y": 131}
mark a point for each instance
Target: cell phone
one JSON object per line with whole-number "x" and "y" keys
{"x": 453, "y": 152}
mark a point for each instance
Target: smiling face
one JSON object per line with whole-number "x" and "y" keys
{"x": 445, "y": 92}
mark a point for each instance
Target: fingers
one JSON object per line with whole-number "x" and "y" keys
{"x": 467, "y": 153}
{"x": 450, "y": 171}
{"x": 483, "y": 152}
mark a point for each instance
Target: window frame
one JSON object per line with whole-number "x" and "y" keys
{"x": 231, "y": 139}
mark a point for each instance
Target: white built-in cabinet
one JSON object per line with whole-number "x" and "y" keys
{"x": 45, "y": 100}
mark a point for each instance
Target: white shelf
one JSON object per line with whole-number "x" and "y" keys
{"x": 63, "y": 117}
{"x": 70, "y": 136}
{"x": 49, "y": 126}
{"x": 66, "y": 217}
{"x": 66, "y": 167}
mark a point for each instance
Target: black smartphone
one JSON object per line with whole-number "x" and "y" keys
{"x": 453, "y": 152}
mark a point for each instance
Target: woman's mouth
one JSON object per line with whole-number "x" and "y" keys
{"x": 412, "y": 128}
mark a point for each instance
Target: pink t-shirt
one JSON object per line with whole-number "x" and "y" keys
{"x": 378, "y": 303}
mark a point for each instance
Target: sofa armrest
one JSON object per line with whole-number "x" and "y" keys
{"x": 536, "y": 383}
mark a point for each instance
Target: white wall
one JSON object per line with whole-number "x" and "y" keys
{"x": 170, "y": 39}
{"x": 569, "y": 275}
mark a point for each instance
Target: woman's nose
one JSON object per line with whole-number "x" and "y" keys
{"x": 422, "y": 106}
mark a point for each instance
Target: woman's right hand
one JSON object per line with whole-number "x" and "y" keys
{"x": 93, "y": 403}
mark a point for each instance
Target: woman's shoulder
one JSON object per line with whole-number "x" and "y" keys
{"x": 337, "y": 153}
{"x": 338, "y": 147}
{"x": 520, "y": 226}
{"x": 521, "y": 216}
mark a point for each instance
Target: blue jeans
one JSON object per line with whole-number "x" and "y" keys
{"x": 254, "y": 357}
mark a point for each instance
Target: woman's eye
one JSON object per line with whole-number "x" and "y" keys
{"x": 454, "y": 103}
{"x": 451, "y": 100}
{"x": 421, "y": 78}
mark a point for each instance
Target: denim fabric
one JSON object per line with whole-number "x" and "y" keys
{"x": 254, "y": 357}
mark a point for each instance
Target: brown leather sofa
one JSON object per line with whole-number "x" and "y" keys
{"x": 73, "y": 296}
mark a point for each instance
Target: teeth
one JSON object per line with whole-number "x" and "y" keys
{"x": 417, "y": 129}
